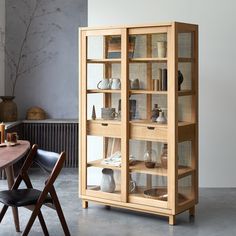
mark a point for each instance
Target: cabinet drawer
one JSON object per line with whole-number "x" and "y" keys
{"x": 149, "y": 133}
{"x": 104, "y": 128}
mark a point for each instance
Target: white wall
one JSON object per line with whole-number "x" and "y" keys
{"x": 217, "y": 41}
{"x": 2, "y": 29}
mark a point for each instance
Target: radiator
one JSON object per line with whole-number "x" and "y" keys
{"x": 54, "y": 137}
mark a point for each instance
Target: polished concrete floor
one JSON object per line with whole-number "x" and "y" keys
{"x": 215, "y": 216}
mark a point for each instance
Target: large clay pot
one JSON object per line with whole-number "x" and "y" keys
{"x": 8, "y": 109}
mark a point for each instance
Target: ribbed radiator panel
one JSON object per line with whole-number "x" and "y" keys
{"x": 56, "y": 137}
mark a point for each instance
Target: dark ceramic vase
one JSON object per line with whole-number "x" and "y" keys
{"x": 180, "y": 79}
{"x": 8, "y": 109}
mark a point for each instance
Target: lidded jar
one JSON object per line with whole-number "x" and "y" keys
{"x": 150, "y": 157}
{"x": 164, "y": 156}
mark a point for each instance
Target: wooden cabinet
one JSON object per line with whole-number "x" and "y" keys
{"x": 156, "y": 64}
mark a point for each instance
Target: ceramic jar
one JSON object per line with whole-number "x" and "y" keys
{"x": 108, "y": 183}
{"x": 8, "y": 109}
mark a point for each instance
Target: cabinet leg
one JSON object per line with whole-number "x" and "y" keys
{"x": 84, "y": 204}
{"x": 192, "y": 211}
{"x": 172, "y": 220}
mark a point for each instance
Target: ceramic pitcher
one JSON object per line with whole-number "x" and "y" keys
{"x": 104, "y": 84}
{"x": 108, "y": 183}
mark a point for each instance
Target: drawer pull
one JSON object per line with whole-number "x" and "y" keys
{"x": 104, "y": 124}
{"x": 152, "y": 128}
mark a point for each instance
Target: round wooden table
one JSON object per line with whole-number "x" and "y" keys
{"x": 8, "y": 156}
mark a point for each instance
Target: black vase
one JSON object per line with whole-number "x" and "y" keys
{"x": 180, "y": 79}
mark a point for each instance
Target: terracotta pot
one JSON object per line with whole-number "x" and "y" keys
{"x": 8, "y": 109}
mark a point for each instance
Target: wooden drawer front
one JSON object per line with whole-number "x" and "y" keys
{"x": 104, "y": 129}
{"x": 148, "y": 133}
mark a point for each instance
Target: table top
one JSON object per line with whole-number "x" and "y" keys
{"x": 11, "y": 154}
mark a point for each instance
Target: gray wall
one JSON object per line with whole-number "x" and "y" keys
{"x": 217, "y": 51}
{"x": 2, "y": 29}
{"x": 53, "y": 85}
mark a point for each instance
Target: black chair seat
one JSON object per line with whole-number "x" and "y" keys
{"x": 21, "y": 197}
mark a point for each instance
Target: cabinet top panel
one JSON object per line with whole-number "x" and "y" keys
{"x": 166, "y": 24}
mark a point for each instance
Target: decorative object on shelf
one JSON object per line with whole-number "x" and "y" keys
{"x": 132, "y": 108}
{"x": 105, "y": 83}
{"x": 161, "y": 194}
{"x": 164, "y": 80}
{"x": 108, "y": 183}
{"x": 8, "y": 109}
{"x": 114, "y": 46}
{"x": 164, "y": 156}
{"x": 155, "y": 113}
{"x": 115, "y": 159}
{"x": 180, "y": 79}
{"x": 2, "y": 132}
{"x": 161, "y": 49}
{"x": 134, "y": 84}
{"x": 108, "y": 113}
{"x": 93, "y": 113}
{"x": 115, "y": 83}
{"x": 35, "y": 113}
{"x": 161, "y": 119}
{"x": 150, "y": 157}
{"x": 155, "y": 84}
{"x": 132, "y": 185}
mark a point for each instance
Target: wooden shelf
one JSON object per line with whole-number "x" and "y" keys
{"x": 97, "y": 163}
{"x": 140, "y": 167}
{"x": 99, "y": 61}
{"x": 185, "y": 59}
{"x": 185, "y": 93}
{"x": 147, "y": 59}
{"x": 154, "y": 124}
{"x": 139, "y": 193}
{"x": 103, "y": 90}
{"x": 147, "y": 92}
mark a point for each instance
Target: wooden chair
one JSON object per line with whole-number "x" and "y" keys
{"x": 31, "y": 198}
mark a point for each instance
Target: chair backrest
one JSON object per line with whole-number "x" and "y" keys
{"x": 46, "y": 160}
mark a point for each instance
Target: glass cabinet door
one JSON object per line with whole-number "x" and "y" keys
{"x": 148, "y": 118}
{"x": 103, "y": 114}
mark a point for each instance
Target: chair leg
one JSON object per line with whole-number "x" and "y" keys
{"x": 60, "y": 212}
{"x": 43, "y": 224}
{"x": 34, "y": 214}
{"x": 3, "y": 212}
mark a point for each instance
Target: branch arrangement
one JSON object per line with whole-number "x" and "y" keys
{"x": 25, "y": 59}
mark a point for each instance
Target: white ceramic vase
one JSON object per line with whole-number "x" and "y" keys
{"x": 108, "y": 183}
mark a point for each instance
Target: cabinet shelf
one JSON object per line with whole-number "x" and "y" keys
{"x": 100, "y": 61}
{"x": 148, "y": 92}
{"x": 185, "y": 59}
{"x": 147, "y": 59}
{"x": 139, "y": 167}
{"x": 103, "y": 91}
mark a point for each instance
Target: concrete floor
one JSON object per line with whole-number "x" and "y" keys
{"x": 215, "y": 216}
